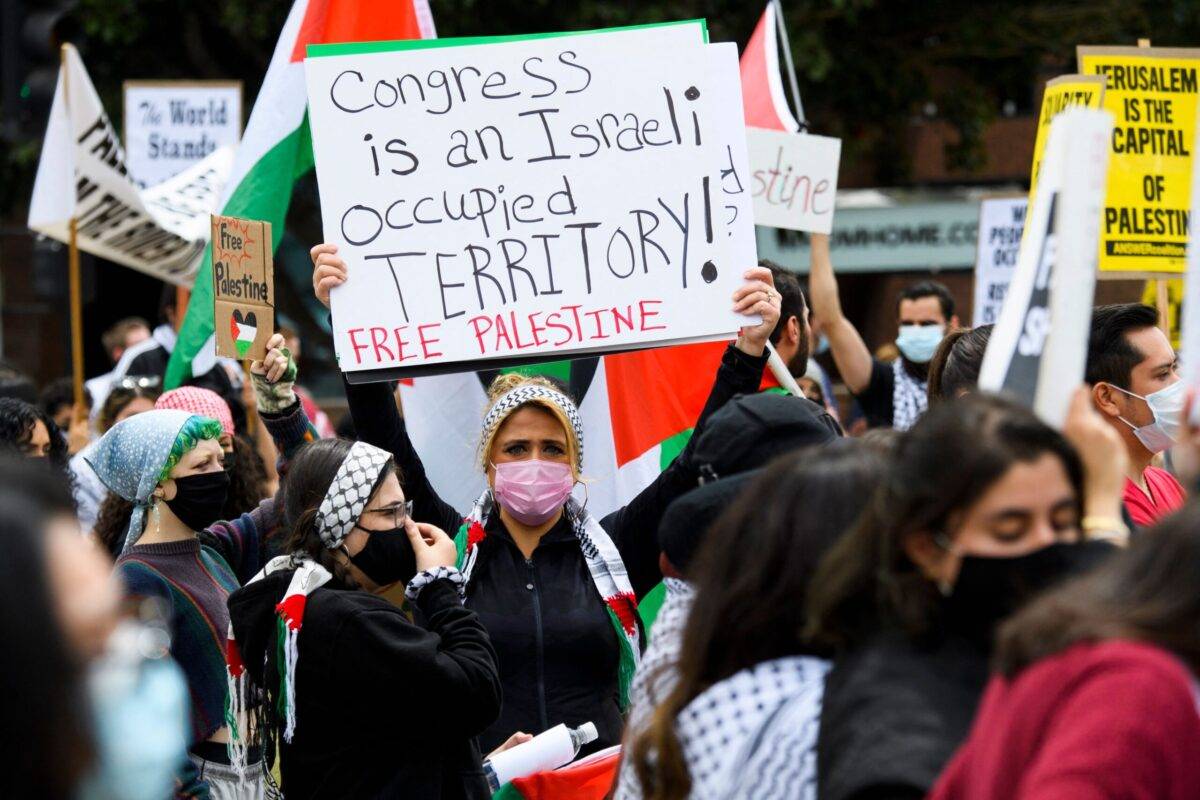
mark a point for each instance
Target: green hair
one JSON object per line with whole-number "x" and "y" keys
{"x": 194, "y": 431}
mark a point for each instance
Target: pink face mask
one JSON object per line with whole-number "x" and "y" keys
{"x": 533, "y": 491}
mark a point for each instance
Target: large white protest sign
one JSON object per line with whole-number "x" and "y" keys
{"x": 793, "y": 178}
{"x": 161, "y": 231}
{"x": 1038, "y": 349}
{"x": 527, "y": 199}
{"x": 173, "y": 125}
{"x": 1001, "y": 220}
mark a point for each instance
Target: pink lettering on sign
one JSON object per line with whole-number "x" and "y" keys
{"x": 572, "y": 325}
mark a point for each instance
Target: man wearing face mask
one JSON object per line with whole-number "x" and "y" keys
{"x": 891, "y": 395}
{"x": 1134, "y": 374}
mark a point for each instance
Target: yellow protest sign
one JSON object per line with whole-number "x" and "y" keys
{"x": 1063, "y": 92}
{"x": 1152, "y": 95}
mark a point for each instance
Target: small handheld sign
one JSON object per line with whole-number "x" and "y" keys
{"x": 243, "y": 286}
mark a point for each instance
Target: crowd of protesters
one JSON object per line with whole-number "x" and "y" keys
{"x": 210, "y": 596}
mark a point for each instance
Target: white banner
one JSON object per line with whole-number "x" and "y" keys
{"x": 173, "y": 125}
{"x": 1001, "y": 220}
{"x": 537, "y": 198}
{"x": 793, "y": 179}
{"x": 161, "y": 231}
{"x": 1038, "y": 350}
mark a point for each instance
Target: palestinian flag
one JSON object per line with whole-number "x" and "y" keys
{"x": 586, "y": 779}
{"x": 763, "y": 100}
{"x": 276, "y": 148}
{"x": 243, "y": 330}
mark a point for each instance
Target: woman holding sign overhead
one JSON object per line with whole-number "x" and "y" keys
{"x": 555, "y": 588}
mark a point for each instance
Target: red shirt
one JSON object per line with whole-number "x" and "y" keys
{"x": 1115, "y": 719}
{"x": 1166, "y": 495}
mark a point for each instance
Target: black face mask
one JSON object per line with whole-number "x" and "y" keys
{"x": 388, "y": 557}
{"x": 199, "y": 499}
{"x": 989, "y": 589}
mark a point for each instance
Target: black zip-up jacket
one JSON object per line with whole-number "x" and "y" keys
{"x": 384, "y": 708}
{"x": 557, "y": 648}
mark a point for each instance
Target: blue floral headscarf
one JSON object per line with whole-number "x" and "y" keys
{"x": 130, "y": 458}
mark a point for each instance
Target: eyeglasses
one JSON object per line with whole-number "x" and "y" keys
{"x": 397, "y": 515}
{"x": 139, "y": 382}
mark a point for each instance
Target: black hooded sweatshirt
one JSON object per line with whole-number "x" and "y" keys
{"x": 384, "y": 708}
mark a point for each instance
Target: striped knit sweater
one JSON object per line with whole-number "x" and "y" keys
{"x": 195, "y": 577}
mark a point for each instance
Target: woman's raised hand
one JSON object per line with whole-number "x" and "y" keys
{"x": 431, "y": 545}
{"x": 328, "y": 271}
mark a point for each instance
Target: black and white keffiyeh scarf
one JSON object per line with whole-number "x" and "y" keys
{"x": 754, "y": 736}
{"x": 910, "y": 397}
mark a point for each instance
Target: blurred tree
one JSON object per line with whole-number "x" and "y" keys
{"x": 869, "y": 69}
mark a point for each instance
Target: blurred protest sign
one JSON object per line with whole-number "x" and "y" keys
{"x": 1063, "y": 92}
{"x": 1038, "y": 349}
{"x": 484, "y": 210}
{"x": 243, "y": 286}
{"x": 794, "y": 179}
{"x": 82, "y": 176}
{"x": 1001, "y": 221}
{"x": 1152, "y": 94}
{"x": 172, "y": 125}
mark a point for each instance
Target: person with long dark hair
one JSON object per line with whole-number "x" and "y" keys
{"x": 984, "y": 506}
{"x": 1095, "y": 691}
{"x": 741, "y": 719}
{"x": 555, "y": 587}
{"x": 28, "y": 431}
{"x": 339, "y": 666}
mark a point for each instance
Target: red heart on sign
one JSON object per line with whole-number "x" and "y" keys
{"x": 233, "y": 327}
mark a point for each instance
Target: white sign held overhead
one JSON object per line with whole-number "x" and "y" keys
{"x": 161, "y": 231}
{"x": 531, "y": 199}
{"x": 793, "y": 179}
{"x": 1001, "y": 220}
{"x": 1038, "y": 349}
{"x": 173, "y": 125}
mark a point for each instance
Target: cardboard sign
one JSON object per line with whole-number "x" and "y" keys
{"x": 243, "y": 287}
{"x": 794, "y": 179}
{"x": 1152, "y": 94}
{"x": 1038, "y": 349}
{"x": 552, "y": 197}
{"x": 171, "y": 125}
{"x": 1001, "y": 223}
{"x": 1063, "y": 92}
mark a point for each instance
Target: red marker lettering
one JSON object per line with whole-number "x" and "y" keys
{"x": 647, "y": 314}
{"x": 427, "y": 341}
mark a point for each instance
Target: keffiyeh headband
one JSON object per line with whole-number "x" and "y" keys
{"x": 515, "y": 398}
{"x": 129, "y": 459}
{"x": 347, "y": 496}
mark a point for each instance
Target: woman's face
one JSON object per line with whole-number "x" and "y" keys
{"x": 385, "y": 511}
{"x": 528, "y": 433}
{"x": 204, "y": 457}
{"x": 1032, "y": 505}
{"x": 38, "y": 445}
{"x": 135, "y": 406}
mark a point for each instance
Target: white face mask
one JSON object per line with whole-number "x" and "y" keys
{"x": 1167, "y": 406}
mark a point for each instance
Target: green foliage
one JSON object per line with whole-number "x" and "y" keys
{"x": 867, "y": 68}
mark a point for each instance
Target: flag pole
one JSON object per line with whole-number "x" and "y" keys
{"x": 73, "y": 270}
{"x": 781, "y": 372}
{"x": 791, "y": 67}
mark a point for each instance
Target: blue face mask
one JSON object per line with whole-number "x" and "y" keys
{"x": 140, "y": 717}
{"x": 918, "y": 342}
